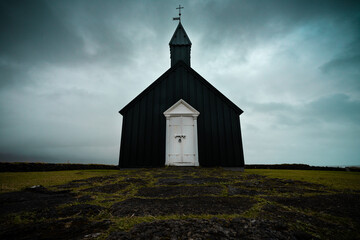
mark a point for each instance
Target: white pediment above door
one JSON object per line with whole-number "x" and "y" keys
{"x": 181, "y": 108}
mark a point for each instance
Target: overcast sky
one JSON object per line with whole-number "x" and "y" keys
{"x": 68, "y": 67}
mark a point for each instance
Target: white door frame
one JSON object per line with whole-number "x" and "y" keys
{"x": 181, "y": 109}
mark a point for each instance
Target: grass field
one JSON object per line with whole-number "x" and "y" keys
{"x": 14, "y": 181}
{"x": 334, "y": 179}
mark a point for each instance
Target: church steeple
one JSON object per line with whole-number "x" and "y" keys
{"x": 180, "y": 46}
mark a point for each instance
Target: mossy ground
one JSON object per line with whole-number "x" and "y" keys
{"x": 340, "y": 180}
{"x": 265, "y": 194}
{"x": 15, "y": 181}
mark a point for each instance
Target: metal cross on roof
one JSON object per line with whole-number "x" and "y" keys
{"x": 179, "y": 18}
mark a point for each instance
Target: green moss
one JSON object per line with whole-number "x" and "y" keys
{"x": 340, "y": 180}
{"x": 254, "y": 211}
{"x": 126, "y": 223}
{"x": 15, "y": 181}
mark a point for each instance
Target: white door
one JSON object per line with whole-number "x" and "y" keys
{"x": 181, "y": 135}
{"x": 182, "y": 141}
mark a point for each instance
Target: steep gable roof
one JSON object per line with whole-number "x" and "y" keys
{"x": 197, "y": 76}
{"x": 180, "y": 37}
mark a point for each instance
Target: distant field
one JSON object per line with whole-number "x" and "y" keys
{"x": 14, "y": 181}
{"x": 333, "y": 179}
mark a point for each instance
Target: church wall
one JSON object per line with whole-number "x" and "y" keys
{"x": 144, "y": 130}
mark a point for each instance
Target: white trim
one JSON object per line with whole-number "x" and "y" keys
{"x": 167, "y": 143}
{"x": 196, "y": 141}
{"x": 192, "y": 111}
{"x": 173, "y": 111}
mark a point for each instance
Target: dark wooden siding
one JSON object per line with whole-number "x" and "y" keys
{"x": 144, "y": 130}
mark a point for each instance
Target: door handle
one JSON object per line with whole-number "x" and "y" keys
{"x": 180, "y": 136}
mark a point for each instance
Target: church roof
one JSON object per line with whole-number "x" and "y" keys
{"x": 192, "y": 72}
{"x": 180, "y": 37}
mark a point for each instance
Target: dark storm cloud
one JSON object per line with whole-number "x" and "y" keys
{"x": 348, "y": 60}
{"x": 250, "y": 22}
{"x": 31, "y": 32}
{"x": 350, "y": 63}
{"x": 95, "y": 24}
{"x": 7, "y": 74}
{"x": 44, "y": 32}
{"x": 339, "y": 108}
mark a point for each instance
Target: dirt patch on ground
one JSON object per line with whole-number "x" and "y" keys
{"x": 72, "y": 228}
{"x": 238, "y": 228}
{"x": 328, "y": 229}
{"x": 76, "y": 210}
{"x": 243, "y": 191}
{"x": 32, "y": 199}
{"x": 84, "y": 198}
{"x": 81, "y": 210}
{"x": 190, "y": 180}
{"x": 73, "y": 184}
{"x": 343, "y": 205}
{"x": 135, "y": 181}
{"x": 109, "y": 188}
{"x": 277, "y": 212}
{"x": 166, "y": 175}
{"x": 103, "y": 179}
{"x": 265, "y": 184}
{"x": 181, "y": 205}
{"x": 88, "y": 182}
{"x": 179, "y": 191}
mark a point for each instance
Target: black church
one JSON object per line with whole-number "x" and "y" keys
{"x": 181, "y": 119}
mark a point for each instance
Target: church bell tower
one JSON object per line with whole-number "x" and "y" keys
{"x": 180, "y": 44}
